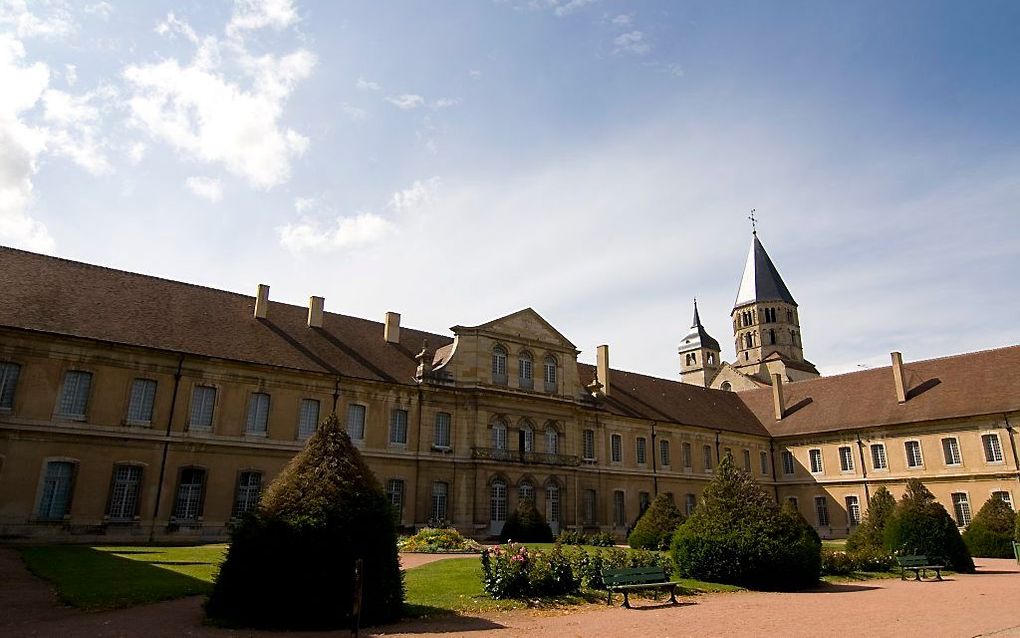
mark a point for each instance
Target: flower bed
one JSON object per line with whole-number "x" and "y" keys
{"x": 438, "y": 541}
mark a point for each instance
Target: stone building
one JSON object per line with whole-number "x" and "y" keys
{"x": 137, "y": 408}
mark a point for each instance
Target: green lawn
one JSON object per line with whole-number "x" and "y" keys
{"x": 834, "y": 543}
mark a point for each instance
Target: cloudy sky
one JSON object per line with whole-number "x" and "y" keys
{"x": 594, "y": 159}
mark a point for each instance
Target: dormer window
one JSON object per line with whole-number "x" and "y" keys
{"x": 525, "y": 372}
{"x": 499, "y": 365}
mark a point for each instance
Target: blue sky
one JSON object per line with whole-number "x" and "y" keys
{"x": 593, "y": 159}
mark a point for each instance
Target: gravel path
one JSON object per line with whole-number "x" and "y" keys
{"x": 984, "y": 604}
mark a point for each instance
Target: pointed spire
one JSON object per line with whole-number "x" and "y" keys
{"x": 761, "y": 280}
{"x": 697, "y": 319}
{"x": 698, "y": 337}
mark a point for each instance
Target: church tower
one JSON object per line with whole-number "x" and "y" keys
{"x": 699, "y": 354}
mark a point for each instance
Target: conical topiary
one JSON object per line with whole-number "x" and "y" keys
{"x": 920, "y": 525}
{"x": 871, "y": 532}
{"x": 291, "y": 563}
{"x": 990, "y": 534}
{"x": 654, "y": 530}
{"x": 526, "y": 525}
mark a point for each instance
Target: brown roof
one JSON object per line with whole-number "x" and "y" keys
{"x": 950, "y": 387}
{"x": 640, "y": 396}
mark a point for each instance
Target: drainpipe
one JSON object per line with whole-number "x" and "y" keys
{"x": 1012, "y": 444}
{"x": 166, "y": 447}
{"x": 775, "y": 479}
{"x": 417, "y": 456}
{"x": 864, "y": 468}
{"x": 655, "y": 476}
{"x": 718, "y": 458}
{"x": 336, "y": 393}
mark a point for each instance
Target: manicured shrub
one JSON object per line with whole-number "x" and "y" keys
{"x": 572, "y": 537}
{"x": 990, "y": 534}
{"x": 866, "y": 559}
{"x": 439, "y": 541}
{"x": 587, "y": 564}
{"x": 920, "y": 525}
{"x": 870, "y": 533}
{"x": 526, "y": 525}
{"x": 514, "y": 571}
{"x": 602, "y": 539}
{"x": 738, "y": 535}
{"x": 291, "y": 563}
{"x": 836, "y": 563}
{"x": 654, "y": 530}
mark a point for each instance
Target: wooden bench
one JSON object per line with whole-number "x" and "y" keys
{"x": 636, "y": 578}
{"x": 919, "y": 564}
{"x": 1016, "y": 551}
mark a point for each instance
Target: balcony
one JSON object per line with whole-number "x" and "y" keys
{"x": 529, "y": 458}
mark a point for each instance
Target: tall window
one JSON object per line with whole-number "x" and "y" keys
{"x": 770, "y": 315}
{"x": 55, "y": 500}
{"x": 913, "y": 450}
{"x": 772, "y": 337}
{"x": 499, "y": 435}
{"x": 497, "y": 502}
{"x": 961, "y": 507}
{"x": 528, "y": 432}
{"x": 439, "y": 493}
{"x": 74, "y": 396}
{"x": 203, "y": 400}
{"x": 249, "y": 488}
{"x": 706, "y": 457}
{"x": 644, "y": 500}
{"x": 1004, "y": 496}
{"x": 690, "y": 502}
{"x": 395, "y": 492}
{"x": 951, "y": 451}
{"x": 141, "y": 401}
{"x": 853, "y": 511}
{"x": 788, "y": 464}
{"x": 685, "y": 452}
{"x": 552, "y": 503}
{"x": 258, "y": 414}
{"x": 619, "y": 509}
{"x": 499, "y": 365}
{"x": 846, "y": 459}
{"x": 124, "y": 488}
{"x": 763, "y": 458}
{"x": 878, "y": 460}
{"x": 525, "y": 371}
{"x": 616, "y": 442}
{"x": 588, "y": 438}
{"x": 550, "y": 374}
{"x": 9, "y": 373}
{"x": 441, "y": 436}
{"x": 356, "y": 421}
{"x": 747, "y": 460}
{"x": 188, "y": 506}
{"x": 640, "y": 450}
{"x": 398, "y": 426}
{"x": 589, "y": 506}
{"x": 664, "y": 452}
{"x": 308, "y": 418}
{"x": 525, "y": 491}
{"x": 993, "y": 450}
{"x": 815, "y": 457}
{"x": 822, "y": 511}
{"x": 552, "y": 440}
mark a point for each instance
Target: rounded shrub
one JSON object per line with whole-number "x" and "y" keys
{"x": 920, "y": 525}
{"x": 526, "y": 525}
{"x": 654, "y": 530}
{"x": 290, "y": 565}
{"x": 738, "y": 535}
{"x": 870, "y": 534}
{"x": 990, "y": 534}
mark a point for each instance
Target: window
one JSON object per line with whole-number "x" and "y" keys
{"x": 395, "y": 492}
{"x": 913, "y": 450}
{"x": 664, "y": 453}
{"x": 308, "y": 418}
{"x": 552, "y": 503}
{"x": 356, "y": 421}
{"x": 853, "y": 511}
{"x": 189, "y": 494}
{"x": 439, "y": 492}
{"x": 690, "y": 502}
{"x": 552, "y": 440}
{"x": 74, "y": 397}
{"x": 8, "y": 380}
{"x": 770, "y": 315}
{"x": 846, "y": 459}
{"x": 878, "y": 456}
{"x": 816, "y": 461}
{"x": 528, "y": 434}
{"x": 1005, "y": 497}
{"x": 203, "y": 399}
{"x": 550, "y": 374}
{"x": 588, "y": 438}
{"x": 58, "y": 483}
{"x": 140, "y": 402}
{"x": 258, "y": 414}
{"x": 788, "y": 465}
{"x": 792, "y": 500}
{"x": 124, "y": 487}
{"x": 993, "y": 450}
{"x": 526, "y": 491}
{"x": 499, "y": 435}
{"x": 951, "y": 451}
{"x": 763, "y": 457}
{"x": 398, "y": 426}
{"x": 497, "y": 501}
{"x": 619, "y": 509}
{"x": 961, "y": 507}
{"x": 685, "y": 452}
{"x": 772, "y": 337}
{"x": 499, "y": 365}
{"x": 249, "y": 488}
{"x": 617, "y": 445}
{"x": 640, "y": 445}
{"x": 589, "y": 506}
{"x": 728, "y": 452}
{"x": 726, "y": 385}
{"x": 749, "y": 340}
{"x": 441, "y": 436}
{"x": 747, "y": 460}
{"x": 644, "y": 500}
{"x": 706, "y": 457}
{"x": 822, "y": 511}
{"x": 525, "y": 372}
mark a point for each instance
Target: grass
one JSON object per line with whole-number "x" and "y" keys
{"x": 834, "y": 543}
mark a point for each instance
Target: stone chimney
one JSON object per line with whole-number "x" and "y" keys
{"x": 391, "y": 330}
{"x": 899, "y": 377}
{"x": 602, "y": 370}
{"x": 315, "y": 305}
{"x": 777, "y": 395}
{"x": 262, "y": 302}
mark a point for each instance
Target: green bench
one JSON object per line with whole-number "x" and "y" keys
{"x": 637, "y": 578}
{"x": 1016, "y": 551}
{"x": 919, "y": 564}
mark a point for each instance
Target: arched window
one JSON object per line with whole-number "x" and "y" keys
{"x": 499, "y": 365}
{"x": 525, "y": 371}
{"x": 749, "y": 340}
{"x": 552, "y": 439}
{"x": 694, "y": 358}
{"x": 497, "y": 502}
{"x": 772, "y": 337}
{"x": 499, "y": 434}
{"x": 711, "y": 358}
{"x": 550, "y": 374}
{"x": 527, "y": 436}
{"x": 526, "y": 491}
{"x": 726, "y": 386}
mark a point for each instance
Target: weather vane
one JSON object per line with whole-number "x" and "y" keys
{"x": 754, "y": 221}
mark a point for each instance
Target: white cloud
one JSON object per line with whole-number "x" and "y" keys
{"x": 347, "y": 232}
{"x": 622, "y": 20}
{"x": 475, "y": 74}
{"x": 52, "y": 19}
{"x": 675, "y": 70}
{"x": 445, "y": 102}
{"x": 353, "y": 113}
{"x": 136, "y": 152}
{"x": 207, "y": 188}
{"x": 101, "y": 9}
{"x": 70, "y": 74}
{"x": 417, "y": 196}
{"x": 250, "y": 15}
{"x": 367, "y": 85}
{"x": 631, "y": 42}
{"x": 407, "y": 101}
{"x": 560, "y": 7}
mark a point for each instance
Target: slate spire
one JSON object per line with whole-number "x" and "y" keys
{"x": 761, "y": 280}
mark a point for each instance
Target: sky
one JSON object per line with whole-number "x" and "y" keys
{"x": 456, "y": 161}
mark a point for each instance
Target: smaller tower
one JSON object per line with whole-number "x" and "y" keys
{"x": 699, "y": 354}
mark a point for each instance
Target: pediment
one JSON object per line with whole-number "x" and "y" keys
{"x": 523, "y": 325}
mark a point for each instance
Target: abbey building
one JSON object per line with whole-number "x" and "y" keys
{"x": 135, "y": 408}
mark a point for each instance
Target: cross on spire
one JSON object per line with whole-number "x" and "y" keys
{"x": 754, "y": 222}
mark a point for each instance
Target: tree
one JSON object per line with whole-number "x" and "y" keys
{"x": 870, "y": 533}
{"x": 738, "y": 535}
{"x": 920, "y": 525}
{"x": 654, "y": 530}
{"x": 526, "y": 525}
{"x": 990, "y": 534}
{"x": 291, "y": 563}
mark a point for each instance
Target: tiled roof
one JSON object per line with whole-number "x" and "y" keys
{"x": 964, "y": 385}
